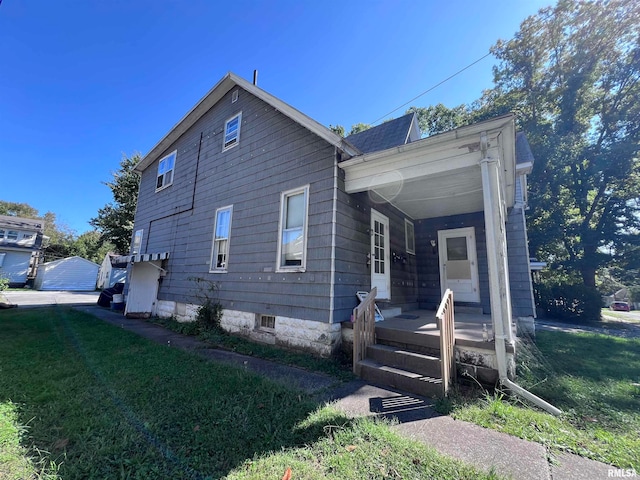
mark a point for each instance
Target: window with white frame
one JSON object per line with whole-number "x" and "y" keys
{"x": 12, "y": 235}
{"x": 1, "y": 233}
{"x": 232, "y": 131}
{"x": 409, "y": 237}
{"x": 292, "y": 247}
{"x": 221, "y": 234}
{"x": 165, "y": 170}
{"x": 137, "y": 241}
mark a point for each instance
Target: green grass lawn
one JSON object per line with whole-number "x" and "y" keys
{"x": 81, "y": 399}
{"x": 594, "y": 379}
{"x": 628, "y": 317}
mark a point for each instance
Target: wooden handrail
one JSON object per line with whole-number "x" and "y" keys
{"x": 364, "y": 328}
{"x": 446, "y": 325}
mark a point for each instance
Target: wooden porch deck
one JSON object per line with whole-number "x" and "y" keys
{"x": 468, "y": 326}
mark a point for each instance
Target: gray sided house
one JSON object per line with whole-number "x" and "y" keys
{"x": 21, "y": 242}
{"x": 289, "y": 220}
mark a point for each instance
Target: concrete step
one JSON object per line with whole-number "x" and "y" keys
{"x": 407, "y": 340}
{"x": 377, "y": 373}
{"x": 427, "y": 365}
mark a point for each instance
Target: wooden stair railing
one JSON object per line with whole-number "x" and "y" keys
{"x": 364, "y": 328}
{"x": 446, "y": 325}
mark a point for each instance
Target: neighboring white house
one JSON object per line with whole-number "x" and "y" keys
{"x": 21, "y": 241}
{"x": 110, "y": 272}
{"x": 73, "y": 273}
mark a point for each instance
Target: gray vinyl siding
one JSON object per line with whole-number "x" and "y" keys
{"x": 353, "y": 243}
{"x": 522, "y": 304}
{"x": 517, "y": 253}
{"x": 428, "y": 263}
{"x": 274, "y": 154}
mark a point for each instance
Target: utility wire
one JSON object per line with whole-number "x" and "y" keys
{"x": 435, "y": 86}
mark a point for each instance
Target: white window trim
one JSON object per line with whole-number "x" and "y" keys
{"x": 283, "y": 196}
{"x": 173, "y": 174}
{"x": 224, "y": 132}
{"x": 213, "y": 269}
{"x": 411, "y": 249}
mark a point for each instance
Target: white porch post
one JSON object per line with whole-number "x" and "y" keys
{"x": 496, "y": 245}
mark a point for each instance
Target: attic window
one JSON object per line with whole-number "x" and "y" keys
{"x": 234, "y": 96}
{"x": 232, "y": 132}
{"x": 165, "y": 171}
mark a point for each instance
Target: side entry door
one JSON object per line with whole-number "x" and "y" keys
{"x": 459, "y": 264}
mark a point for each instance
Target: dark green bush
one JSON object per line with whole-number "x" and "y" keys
{"x": 572, "y": 302}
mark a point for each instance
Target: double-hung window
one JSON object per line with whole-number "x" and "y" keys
{"x": 221, "y": 233}
{"x": 165, "y": 171}
{"x": 232, "y": 131}
{"x": 292, "y": 248}
{"x": 12, "y": 235}
{"x": 409, "y": 237}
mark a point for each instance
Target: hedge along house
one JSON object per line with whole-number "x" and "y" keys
{"x": 290, "y": 220}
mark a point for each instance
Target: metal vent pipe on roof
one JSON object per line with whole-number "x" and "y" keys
{"x": 255, "y": 77}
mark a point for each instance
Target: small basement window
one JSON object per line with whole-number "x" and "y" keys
{"x": 267, "y": 322}
{"x": 232, "y": 132}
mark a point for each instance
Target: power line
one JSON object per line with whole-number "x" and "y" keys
{"x": 435, "y": 86}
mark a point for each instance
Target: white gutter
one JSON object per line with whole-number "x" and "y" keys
{"x": 489, "y": 170}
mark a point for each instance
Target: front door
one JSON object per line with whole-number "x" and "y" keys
{"x": 459, "y": 264}
{"x": 380, "y": 273}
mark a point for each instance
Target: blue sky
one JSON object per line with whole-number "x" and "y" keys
{"x": 83, "y": 82}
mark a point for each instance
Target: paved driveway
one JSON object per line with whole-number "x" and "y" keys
{"x": 35, "y": 298}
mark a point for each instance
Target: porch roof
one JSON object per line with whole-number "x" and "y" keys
{"x": 439, "y": 175}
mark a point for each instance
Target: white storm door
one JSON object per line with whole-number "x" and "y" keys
{"x": 380, "y": 272}
{"x": 459, "y": 264}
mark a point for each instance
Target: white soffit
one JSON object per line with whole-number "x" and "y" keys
{"x": 439, "y": 175}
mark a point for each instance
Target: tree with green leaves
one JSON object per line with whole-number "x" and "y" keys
{"x": 572, "y": 74}
{"x": 15, "y": 209}
{"x": 337, "y": 129}
{"x": 115, "y": 220}
{"x": 359, "y": 127}
{"x": 438, "y": 118}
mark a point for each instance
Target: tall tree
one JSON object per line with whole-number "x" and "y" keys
{"x": 438, "y": 118}
{"x": 17, "y": 209}
{"x": 115, "y": 220}
{"x": 572, "y": 73}
{"x": 359, "y": 127}
{"x": 89, "y": 245}
{"x": 337, "y": 129}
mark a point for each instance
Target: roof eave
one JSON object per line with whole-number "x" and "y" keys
{"x": 216, "y": 93}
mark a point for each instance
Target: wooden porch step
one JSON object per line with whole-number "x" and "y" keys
{"x": 412, "y": 382}
{"x": 398, "y": 358}
{"x": 407, "y": 340}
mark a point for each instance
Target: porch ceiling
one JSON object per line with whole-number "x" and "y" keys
{"x": 437, "y": 176}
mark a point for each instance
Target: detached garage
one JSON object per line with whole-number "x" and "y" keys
{"x": 73, "y": 273}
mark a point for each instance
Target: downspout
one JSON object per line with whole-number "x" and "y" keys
{"x": 489, "y": 170}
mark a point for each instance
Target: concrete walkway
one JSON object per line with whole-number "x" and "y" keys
{"x": 416, "y": 418}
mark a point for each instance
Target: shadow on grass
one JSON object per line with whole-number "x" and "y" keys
{"x": 108, "y": 404}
